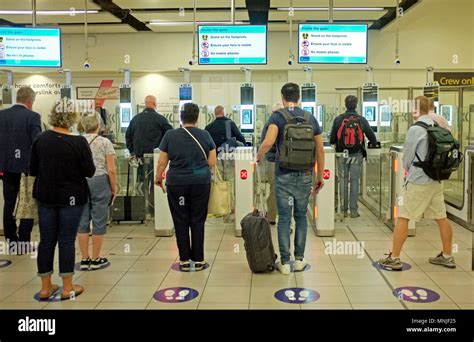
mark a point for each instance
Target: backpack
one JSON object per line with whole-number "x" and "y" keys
{"x": 297, "y": 149}
{"x": 350, "y": 136}
{"x": 231, "y": 143}
{"x": 443, "y": 157}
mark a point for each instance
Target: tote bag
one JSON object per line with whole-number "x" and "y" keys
{"x": 219, "y": 199}
{"x": 26, "y": 207}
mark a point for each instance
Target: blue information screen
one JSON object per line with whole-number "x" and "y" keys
{"x": 232, "y": 44}
{"x": 30, "y": 47}
{"x": 332, "y": 44}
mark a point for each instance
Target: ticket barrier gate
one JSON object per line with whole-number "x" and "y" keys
{"x": 371, "y": 180}
{"x": 463, "y": 213}
{"x": 398, "y": 175}
{"x": 163, "y": 220}
{"x": 321, "y": 211}
{"x": 244, "y": 185}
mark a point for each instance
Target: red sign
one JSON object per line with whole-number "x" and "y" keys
{"x": 243, "y": 174}
{"x": 326, "y": 174}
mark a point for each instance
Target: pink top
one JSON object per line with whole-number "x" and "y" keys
{"x": 442, "y": 122}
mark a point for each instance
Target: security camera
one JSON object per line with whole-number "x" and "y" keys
{"x": 191, "y": 62}
{"x": 398, "y": 61}
{"x": 87, "y": 64}
{"x": 290, "y": 62}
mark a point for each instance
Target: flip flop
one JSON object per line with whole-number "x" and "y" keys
{"x": 52, "y": 292}
{"x": 77, "y": 290}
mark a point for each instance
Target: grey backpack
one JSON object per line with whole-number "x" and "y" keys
{"x": 297, "y": 150}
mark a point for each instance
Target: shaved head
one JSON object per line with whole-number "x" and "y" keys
{"x": 219, "y": 111}
{"x": 150, "y": 102}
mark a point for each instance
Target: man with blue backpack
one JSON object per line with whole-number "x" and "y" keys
{"x": 299, "y": 145}
{"x": 347, "y": 134}
{"x": 430, "y": 155}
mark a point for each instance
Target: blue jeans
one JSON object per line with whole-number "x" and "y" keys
{"x": 349, "y": 170}
{"x": 58, "y": 226}
{"x": 292, "y": 194}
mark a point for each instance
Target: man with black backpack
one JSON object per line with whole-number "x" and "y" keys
{"x": 347, "y": 134}
{"x": 430, "y": 155}
{"x": 299, "y": 144}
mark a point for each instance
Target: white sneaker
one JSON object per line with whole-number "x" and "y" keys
{"x": 284, "y": 269}
{"x": 300, "y": 265}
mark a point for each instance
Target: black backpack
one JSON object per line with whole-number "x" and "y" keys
{"x": 444, "y": 155}
{"x": 297, "y": 150}
{"x": 350, "y": 136}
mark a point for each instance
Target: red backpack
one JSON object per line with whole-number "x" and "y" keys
{"x": 349, "y": 135}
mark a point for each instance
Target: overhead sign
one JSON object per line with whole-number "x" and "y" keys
{"x": 30, "y": 47}
{"x": 454, "y": 79}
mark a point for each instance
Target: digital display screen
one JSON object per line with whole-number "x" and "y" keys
{"x": 126, "y": 115}
{"x": 385, "y": 116}
{"x": 247, "y": 118}
{"x": 447, "y": 113}
{"x": 369, "y": 113}
{"x": 30, "y": 47}
{"x": 246, "y": 95}
{"x": 185, "y": 93}
{"x": 370, "y": 93}
{"x": 309, "y": 109}
{"x": 232, "y": 44}
{"x": 308, "y": 94}
{"x": 332, "y": 44}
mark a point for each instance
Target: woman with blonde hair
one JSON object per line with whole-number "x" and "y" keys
{"x": 60, "y": 161}
{"x": 102, "y": 188}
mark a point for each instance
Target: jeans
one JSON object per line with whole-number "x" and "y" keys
{"x": 292, "y": 193}
{"x": 188, "y": 206}
{"x": 349, "y": 170}
{"x": 58, "y": 226}
{"x": 97, "y": 209}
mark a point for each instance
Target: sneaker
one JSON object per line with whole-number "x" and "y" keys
{"x": 355, "y": 214}
{"x": 300, "y": 265}
{"x": 184, "y": 266}
{"x": 441, "y": 260}
{"x": 86, "y": 264}
{"x": 391, "y": 263}
{"x": 99, "y": 263}
{"x": 199, "y": 265}
{"x": 284, "y": 268}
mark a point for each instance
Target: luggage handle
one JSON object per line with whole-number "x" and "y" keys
{"x": 258, "y": 199}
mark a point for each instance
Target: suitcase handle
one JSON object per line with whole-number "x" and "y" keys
{"x": 259, "y": 198}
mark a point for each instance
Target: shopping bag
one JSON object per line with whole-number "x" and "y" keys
{"x": 26, "y": 207}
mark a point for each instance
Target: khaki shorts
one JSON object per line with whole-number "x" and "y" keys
{"x": 423, "y": 201}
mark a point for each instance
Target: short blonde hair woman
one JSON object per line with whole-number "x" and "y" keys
{"x": 60, "y": 161}
{"x": 102, "y": 188}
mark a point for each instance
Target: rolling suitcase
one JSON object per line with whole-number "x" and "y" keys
{"x": 128, "y": 207}
{"x": 257, "y": 236}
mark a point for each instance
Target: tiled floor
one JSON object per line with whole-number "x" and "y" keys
{"x": 141, "y": 265}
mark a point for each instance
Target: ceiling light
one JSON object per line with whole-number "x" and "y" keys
{"x": 178, "y": 23}
{"x": 64, "y": 12}
{"x": 335, "y": 9}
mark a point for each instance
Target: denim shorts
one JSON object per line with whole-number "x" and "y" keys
{"x": 97, "y": 209}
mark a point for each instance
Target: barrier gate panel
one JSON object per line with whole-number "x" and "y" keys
{"x": 163, "y": 220}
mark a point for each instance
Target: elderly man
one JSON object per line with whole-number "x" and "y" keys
{"x": 19, "y": 126}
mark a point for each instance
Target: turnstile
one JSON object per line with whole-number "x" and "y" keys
{"x": 398, "y": 175}
{"x": 244, "y": 185}
{"x": 163, "y": 220}
{"x": 321, "y": 207}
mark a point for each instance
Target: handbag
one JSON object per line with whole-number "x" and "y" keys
{"x": 219, "y": 198}
{"x": 26, "y": 207}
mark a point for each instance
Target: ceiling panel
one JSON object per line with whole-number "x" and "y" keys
{"x": 45, "y": 4}
{"x": 54, "y": 19}
{"x": 94, "y": 29}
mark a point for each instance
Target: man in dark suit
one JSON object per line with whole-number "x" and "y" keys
{"x": 19, "y": 126}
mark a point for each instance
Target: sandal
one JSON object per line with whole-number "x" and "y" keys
{"x": 52, "y": 292}
{"x": 77, "y": 290}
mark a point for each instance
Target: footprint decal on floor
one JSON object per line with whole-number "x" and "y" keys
{"x": 416, "y": 294}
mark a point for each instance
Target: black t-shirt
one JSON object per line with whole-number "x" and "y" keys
{"x": 61, "y": 163}
{"x": 188, "y": 165}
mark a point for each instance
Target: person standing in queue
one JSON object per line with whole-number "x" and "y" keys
{"x": 347, "y": 133}
{"x": 293, "y": 185}
{"x": 102, "y": 188}
{"x": 191, "y": 153}
{"x": 143, "y": 135}
{"x": 19, "y": 126}
{"x": 60, "y": 161}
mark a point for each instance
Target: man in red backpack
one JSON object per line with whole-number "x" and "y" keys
{"x": 347, "y": 134}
